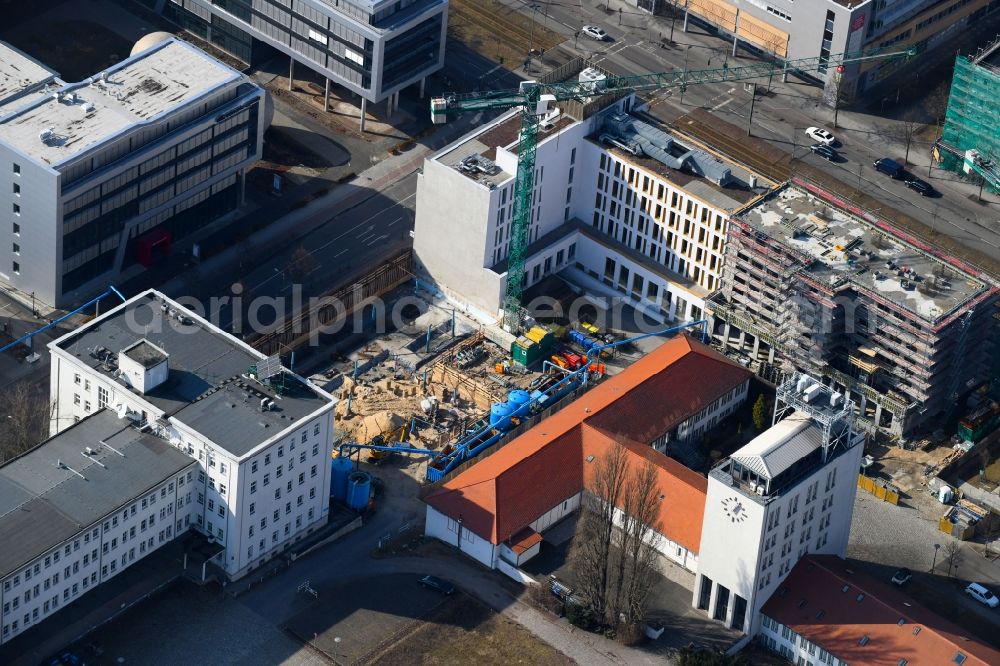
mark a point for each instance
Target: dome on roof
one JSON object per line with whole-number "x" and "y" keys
{"x": 150, "y": 40}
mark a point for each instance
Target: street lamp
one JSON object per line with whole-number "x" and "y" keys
{"x": 460, "y": 533}
{"x": 937, "y": 547}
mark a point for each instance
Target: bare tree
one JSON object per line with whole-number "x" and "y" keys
{"x": 24, "y": 419}
{"x": 593, "y": 543}
{"x": 952, "y": 555}
{"x": 300, "y": 265}
{"x": 908, "y": 129}
{"x": 936, "y": 102}
{"x": 615, "y": 548}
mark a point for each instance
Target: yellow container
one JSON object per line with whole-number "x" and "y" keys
{"x": 536, "y": 334}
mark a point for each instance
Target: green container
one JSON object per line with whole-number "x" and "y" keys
{"x": 525, "y": 351}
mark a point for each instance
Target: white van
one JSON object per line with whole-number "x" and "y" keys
{"x": 982, "y": 595}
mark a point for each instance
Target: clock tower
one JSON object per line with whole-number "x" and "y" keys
{"x": 788, "y": 492}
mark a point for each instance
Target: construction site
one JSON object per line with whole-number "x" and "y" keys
{"x": 970, "y": 141}
{"x": 443, "y": 389}
{"x": 817, "y": 284}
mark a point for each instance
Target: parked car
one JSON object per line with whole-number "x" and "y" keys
{"x": 921, "y": 187}
{"x": 902, "y": 576}
{"x": 821, "y": 135}
{"x": 982, "y": 595}
{"x": 826, "y": 152}
{"x": 437, "y": 584}
{"x": 889, "y": 167}
{"x": 594, "y": 32}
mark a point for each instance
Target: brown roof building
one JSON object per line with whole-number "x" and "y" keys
{"x": 493, "y": 507}
{"x": 830, "y": 613}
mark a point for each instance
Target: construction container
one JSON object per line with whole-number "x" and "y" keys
{"x": 359, "y": 486}
{"x": 500, "y": 414}
{"x": 537, "y": 334}
{"x": 519, "y": 401}
{"x": 340, "y": 469}
{"x": 525, "y": 351}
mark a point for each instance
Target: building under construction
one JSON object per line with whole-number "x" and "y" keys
{"x": 816, "y": 284}
{"x": 970, "y": 142}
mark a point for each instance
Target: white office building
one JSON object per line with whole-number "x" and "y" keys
{"x": 621, "y": 209}
{"x": 373, "y": 48}
{"x": 261, "y": 435}
{"x": 786, "y": 493}
{"x": 100, "y": 176}
{"x": 83, "y": 506}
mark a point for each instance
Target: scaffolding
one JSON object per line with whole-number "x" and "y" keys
{"x": 970, "y": 142}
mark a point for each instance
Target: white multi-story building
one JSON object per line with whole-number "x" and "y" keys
{"x": 620, "y": 208}
{"x": 374, "y": 48}
{"x": 102, "y": 175}
{"x": 261, "y": 435}
{"x": 788, "y": 492}
{"x": 83, "y": 506}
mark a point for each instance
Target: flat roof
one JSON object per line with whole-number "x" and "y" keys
{"x": 207, "y": 387}
{"x": 42, "y": 503}
{"x": 145, "y": 354}
{"x": 840, "y": 248}
{"x": 20, "y": 73}
{"x": 735, "y": 193}
{"x": 61, "y": 125}
{"x": 501, "y": 133}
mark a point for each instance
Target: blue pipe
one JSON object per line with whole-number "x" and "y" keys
{"x": 55, "y": 322}
{"x": 373, "y": 447}
{"x": 112, "y": 288}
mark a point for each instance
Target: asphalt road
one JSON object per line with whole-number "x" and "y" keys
{"x": 343, "y": 243}
{"x": 781, "y": 117}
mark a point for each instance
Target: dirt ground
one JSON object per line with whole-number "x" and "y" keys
{"x": 463, "y": 631}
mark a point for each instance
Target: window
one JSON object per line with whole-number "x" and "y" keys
{"x": 17, "y": 248}
{"x": 312, "y": 471}
{"x": 17, "y": 169}
{"x": 16, "y": 267}
{"x": 253, "y": 487}
{"x": 16, "y": 209}
{"x": 16, "y": 229}
{"x": 17, "y": 189}
{"x": 267, "y": 459}
{"x": 253, "y": 467}
{"x": 222, "y": 489}
{"x": 253, "y": 507}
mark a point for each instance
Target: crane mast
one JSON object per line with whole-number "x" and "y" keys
{"x": 535, "y": 99}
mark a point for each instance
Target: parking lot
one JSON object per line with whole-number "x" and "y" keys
{"x": 885, "y": 537}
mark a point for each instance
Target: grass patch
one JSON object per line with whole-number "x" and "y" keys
{"x": 463, "y": 631}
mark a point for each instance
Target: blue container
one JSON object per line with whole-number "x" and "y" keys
{"x": 340, "y": 469}
{"x": 500, "y": 414}
{"x": 518, "y": 401}
{"x": 358, "y": 490}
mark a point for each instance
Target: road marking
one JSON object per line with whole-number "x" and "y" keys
{"x": 376, "y": 240}
{"x": 398, "y": 219}
{"x": 344, "y": 251}
{"x": 721, "y": 104}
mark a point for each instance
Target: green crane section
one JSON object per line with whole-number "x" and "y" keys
{"x": 535, "y": 100}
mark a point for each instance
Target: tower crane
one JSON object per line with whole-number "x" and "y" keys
{"x": 535, "y": 100}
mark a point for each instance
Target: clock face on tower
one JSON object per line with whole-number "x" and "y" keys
{"x": 734, "y": 509}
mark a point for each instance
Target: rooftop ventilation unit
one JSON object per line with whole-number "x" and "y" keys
{"x": 46, "y": 135}
{"x": 478, "y": 164}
